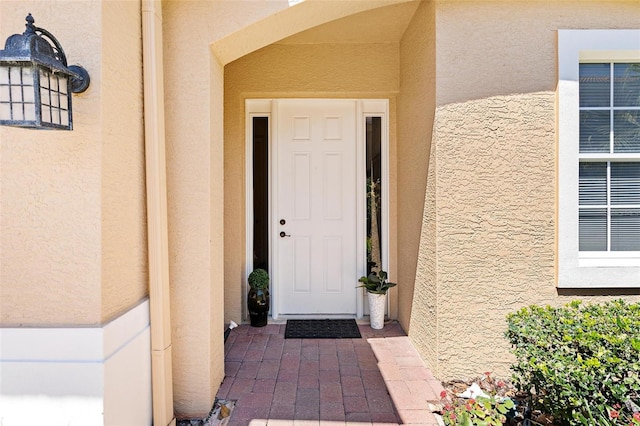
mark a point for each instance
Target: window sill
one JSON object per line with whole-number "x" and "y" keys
{"x": 599, "y": 275}
{"x": 600, "y": 259}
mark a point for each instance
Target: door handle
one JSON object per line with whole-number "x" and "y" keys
{"x": 283, "y": 234}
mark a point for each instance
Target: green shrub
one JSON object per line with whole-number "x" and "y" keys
{"x": 578, "y": 361}
{"x": 259, "y": 279}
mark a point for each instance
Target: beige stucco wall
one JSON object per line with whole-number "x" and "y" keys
{"x": 124, "y": 227}
{"x": 73, "y": 241}
{"x": 195, "y": 295}
{"x": 493, "y": 186}
{"x": 308, "y": 71}
{"x": 416, "y": 105}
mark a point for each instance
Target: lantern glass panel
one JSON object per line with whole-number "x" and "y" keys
{"x": 4, "y": 76}
{"x": 30, "y": 111}
{"x": 16, "y": 93}
{"x": 28, "y": 95}
{"x": 64, "y": 119}
{"x": 5, "y": 107}
{"x": 15, "y": 75}
{"x": 44, "y": 79}
{"x": 55, "y": 101}
{"x": 64, "y": 102}
{"x": 45, "y": 111}
{"x": 55, "y": 115}
{"x": 5, "y": 111}
{"x": 17, "y": 97}
{"x": 27, "y": 76}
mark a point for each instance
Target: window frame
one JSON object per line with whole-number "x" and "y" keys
{"x": 583, "y": 269}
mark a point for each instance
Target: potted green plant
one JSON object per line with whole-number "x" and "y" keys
{"x": 258, "y": 298}
{"x": 377, "y": 286}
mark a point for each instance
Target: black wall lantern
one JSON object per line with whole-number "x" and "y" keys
{"x": 35, "y": 81}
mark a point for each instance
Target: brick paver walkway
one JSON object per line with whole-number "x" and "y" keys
{"x": 376, "y": 380}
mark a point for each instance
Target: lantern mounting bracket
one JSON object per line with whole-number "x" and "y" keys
{"x": 78, "y": 84}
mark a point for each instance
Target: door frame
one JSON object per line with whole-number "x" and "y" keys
{"x": 268, "y": 108}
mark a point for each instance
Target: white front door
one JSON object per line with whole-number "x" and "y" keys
{"x": 315, "y": 207}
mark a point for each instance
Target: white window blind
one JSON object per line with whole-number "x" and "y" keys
{"x": 609, "y": 178}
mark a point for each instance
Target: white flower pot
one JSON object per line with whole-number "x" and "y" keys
{"x": 377, "y": 305}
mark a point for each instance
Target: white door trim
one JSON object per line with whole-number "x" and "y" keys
{"x": 267, "y": 108}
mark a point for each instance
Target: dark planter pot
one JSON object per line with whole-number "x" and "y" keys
{"x": 258, "y": 304}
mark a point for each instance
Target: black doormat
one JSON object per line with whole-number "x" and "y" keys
{"x": 322, "y": 329}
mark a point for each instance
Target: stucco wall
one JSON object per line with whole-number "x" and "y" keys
{"x": 416, "y": 105}
{"x": 195, "y": 296}
{"x": 123, "y": 218}
{"x": 311, "y": 71}
{"x": 73, "y": 230}
{"x": 494, "y": 192}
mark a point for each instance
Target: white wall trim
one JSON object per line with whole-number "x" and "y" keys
{"x": 78, "y": 375}
{"x": 361, "y": 206}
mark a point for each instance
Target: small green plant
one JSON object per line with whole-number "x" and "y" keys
{"x": 259, "y": 279}
{"x": 482, "y": 410}
{"x": 579, "y": 361}
{"x": 612, "y": 416}
{"x": 376, "y": 283}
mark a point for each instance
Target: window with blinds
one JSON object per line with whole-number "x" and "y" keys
{"x": 609, "y": 157}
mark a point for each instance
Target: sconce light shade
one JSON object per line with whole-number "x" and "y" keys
{"x": 36, "y": 83}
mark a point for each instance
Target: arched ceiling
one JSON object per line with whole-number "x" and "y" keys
{"x": 381, "y": 25}
{"x": 321, "y": 21}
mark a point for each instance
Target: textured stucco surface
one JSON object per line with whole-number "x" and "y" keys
{"x": 311, "y": 71}
{"x": 495, "y": 224}
{"x": 193, "y": 201}
{"x": 124, "y": 225}
{"x": 416, "y": 104}
{"x": 492, "y": 183}
{"x": 423, "y": 329}
{"x": 69, "y": 255}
